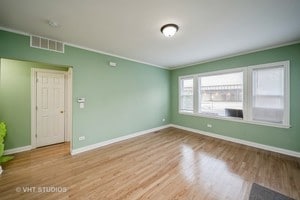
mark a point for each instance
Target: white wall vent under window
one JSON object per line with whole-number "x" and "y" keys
{"x": 47, "y": 44}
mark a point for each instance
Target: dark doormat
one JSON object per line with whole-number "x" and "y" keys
{"x": 259, "y": 192}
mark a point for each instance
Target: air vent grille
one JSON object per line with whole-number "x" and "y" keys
{"x": 47, "y": 44}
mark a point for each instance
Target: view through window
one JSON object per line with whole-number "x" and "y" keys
{"x": 186, "y": 94}
{"x": 221, "y": 94}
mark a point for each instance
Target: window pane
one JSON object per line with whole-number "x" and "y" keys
{"x": 186, "y": 94}
{"x": 221, "y": 95}
{"x": 268, "y": 94}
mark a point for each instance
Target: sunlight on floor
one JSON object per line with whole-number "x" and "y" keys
{"x": 207, "y": 172}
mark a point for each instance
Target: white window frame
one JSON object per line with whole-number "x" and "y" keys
{"x": 286, "y": 112}
{"x": 179, "y": 93}
{"x": 247, "y": 94}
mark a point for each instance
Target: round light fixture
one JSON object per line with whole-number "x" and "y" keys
{"x": 169, "y": 30}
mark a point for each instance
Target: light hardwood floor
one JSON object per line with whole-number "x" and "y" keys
{"x": 169, "y": 164}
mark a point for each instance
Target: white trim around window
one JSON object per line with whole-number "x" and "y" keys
{"x": 248, "y": 96}
{"x": 180, "y": 102}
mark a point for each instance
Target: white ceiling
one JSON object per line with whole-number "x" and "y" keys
{"x": 208, "y": 29}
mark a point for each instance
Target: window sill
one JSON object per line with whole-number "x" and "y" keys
{"x": 235, "y": 119}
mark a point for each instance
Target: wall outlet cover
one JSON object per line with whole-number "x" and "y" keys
{"x": 81, "y": 138}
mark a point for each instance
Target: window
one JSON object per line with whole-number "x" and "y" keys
{"x": 268, "y": 94}
{"x": 186, "y": 94}
{"x": 221, "y": 95}
{"x": 255, "y": 94}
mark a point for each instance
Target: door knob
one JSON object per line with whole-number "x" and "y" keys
{"x": 61, "y": 111}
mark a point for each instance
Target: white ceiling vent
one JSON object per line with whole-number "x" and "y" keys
{"x": 47, "y": 44}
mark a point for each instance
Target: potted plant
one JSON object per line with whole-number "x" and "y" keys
{"x": 3, "y": 158}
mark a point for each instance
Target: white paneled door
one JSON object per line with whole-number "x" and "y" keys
{"x": 50, "y": 108}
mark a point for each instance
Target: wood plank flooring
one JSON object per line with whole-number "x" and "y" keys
{"x": 169, "y": 164}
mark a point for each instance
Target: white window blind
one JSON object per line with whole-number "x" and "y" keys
{"x": 268, "y": 94}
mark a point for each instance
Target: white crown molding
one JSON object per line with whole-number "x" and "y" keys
{"x": 17, "y": 150}
{"x": 162, "y": 67}
{"x": 14, "y": 31}
{"x": 234, "y": 55}
{"x": 84, "y": 48}
{"x": 114, "y": 55}
{"x": 239, "y": 141}
{"x": 118, "y": 139}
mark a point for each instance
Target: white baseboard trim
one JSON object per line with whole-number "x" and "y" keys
{"x": 125, "y": 137}
{"x": 222, "y": 137}
{"x": 239, "y": 141}
{"x": 17, "y": 150}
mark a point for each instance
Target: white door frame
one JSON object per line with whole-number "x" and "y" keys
{"x": 68, "y": 103}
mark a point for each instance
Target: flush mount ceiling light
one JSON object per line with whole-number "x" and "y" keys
{"x": 169, "y": 30}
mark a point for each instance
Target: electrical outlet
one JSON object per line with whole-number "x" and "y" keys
{"x": 209, "y": 125}
{"x": 81, "y": 138}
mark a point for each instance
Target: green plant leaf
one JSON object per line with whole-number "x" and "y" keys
{"x": 1, "y": 149}
{"x": 2, "y": 130}
{"x": 4, "y": 159}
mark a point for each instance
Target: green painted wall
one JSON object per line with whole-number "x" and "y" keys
{"x": 133, "y": 96}
{"x": 15, "y": 103}
{"x": 122, "y": 100}
{"x": 277, "y": 137}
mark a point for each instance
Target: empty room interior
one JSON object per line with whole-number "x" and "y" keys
{"x": 153, "y": 100}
